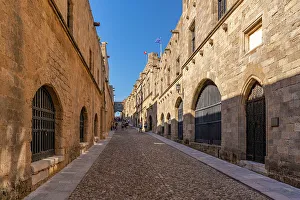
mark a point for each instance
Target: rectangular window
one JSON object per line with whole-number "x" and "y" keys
{"x": 193, "y": 38}
{"x": 221, "y": 8}
{"x": 70, "y": 16}
{"x": 253, "y": 35}
{"x": 255, "y": 39}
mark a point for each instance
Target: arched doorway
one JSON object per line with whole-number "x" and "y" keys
{"x": 208, "y": 115}
{"x": 43, "y": 125}
{"x": 169, "y": 123}
{"x": 180, "y": 121}
{"x": 96, "y": 126}
{"x": 83, "y": 124}
{"x": 256, "y": 124}
{"x": 162, "y": 124}
{"x": 150, "y": 123}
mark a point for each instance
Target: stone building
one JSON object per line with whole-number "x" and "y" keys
{"x": 55, "y": 96}
{"x": 228, "y": 84}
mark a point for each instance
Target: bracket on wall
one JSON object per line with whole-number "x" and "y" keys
{"x": 225, "y": 27}
{"x": 211, "y": 42}
{"x": 201, "y": 52}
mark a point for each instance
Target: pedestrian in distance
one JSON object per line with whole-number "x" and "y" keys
{"x": 140, "y": 127}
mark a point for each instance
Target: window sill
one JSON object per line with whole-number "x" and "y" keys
{"x": 253, "y": 50}
{"x": 46, "y": 163}
{"x": 83, "y": 144}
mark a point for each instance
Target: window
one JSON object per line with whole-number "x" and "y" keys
{"x": 43, "y": 125}
{"x": 255, "y": 39}
{"x": 177, "y": 66}
{"x": 168, "y": 76}
{"x": 91, "y": 60}
{"x": 193, "y": 37}
{"x": 253, "y": 36}
{"x": 208, "y": 115}
{"x": 221, "y": 8}
{"x": 82, "y": 124}
{"x": 70, "y": 16}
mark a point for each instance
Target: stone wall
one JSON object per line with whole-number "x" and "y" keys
{"x": 36, "y": 50}
{"x": 221, "y": 56}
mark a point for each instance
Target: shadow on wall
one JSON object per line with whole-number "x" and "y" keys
{"x": 262, "y": 127}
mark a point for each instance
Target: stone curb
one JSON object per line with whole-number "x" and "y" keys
{"x": 61, "y": 185}
{"x": 265, "y": 185}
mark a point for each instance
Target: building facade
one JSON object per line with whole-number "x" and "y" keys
{"x": 55, "y": 96}
{"x": 228, "y": 83}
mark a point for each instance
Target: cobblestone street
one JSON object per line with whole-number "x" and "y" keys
{"x": 137, "y": 166}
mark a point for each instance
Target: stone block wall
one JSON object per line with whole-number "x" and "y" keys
{"x": 221, "y": 56}
{"x": 38, "y": 50}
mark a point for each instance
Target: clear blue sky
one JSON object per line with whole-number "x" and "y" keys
{"x": 130, "y": 27}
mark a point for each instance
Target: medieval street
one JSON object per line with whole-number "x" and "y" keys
{"x": 136, "y": 165}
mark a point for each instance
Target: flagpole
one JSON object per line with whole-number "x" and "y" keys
{"x": 160, "y": 45}
{"x": 146, "y": 58}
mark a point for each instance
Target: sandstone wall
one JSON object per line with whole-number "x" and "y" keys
{"x": 36, "y": 50}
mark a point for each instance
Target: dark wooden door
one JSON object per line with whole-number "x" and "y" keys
{"x": 256, "y": 125}
{"x": 180, "y": 121}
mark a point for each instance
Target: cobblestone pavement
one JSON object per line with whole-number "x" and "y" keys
{"x": 137, "y": 166}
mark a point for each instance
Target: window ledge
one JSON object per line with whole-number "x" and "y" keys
{"x": 46, "y": 163}
{"x": 83, "y": 144}
{"x": 253, "y": 50}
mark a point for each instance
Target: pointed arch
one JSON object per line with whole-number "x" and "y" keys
{"x": 248, "y": 86}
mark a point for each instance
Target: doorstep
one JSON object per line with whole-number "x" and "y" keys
{"x": 254, "y": 166}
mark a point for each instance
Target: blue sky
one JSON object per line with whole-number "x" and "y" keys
{"x": 130, "y": 27}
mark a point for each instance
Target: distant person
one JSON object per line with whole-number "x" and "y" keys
{"x": 145, "y": 126}
{"x": 140, "y": 127}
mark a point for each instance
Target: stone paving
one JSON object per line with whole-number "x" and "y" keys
{"x": 138, "y": 166}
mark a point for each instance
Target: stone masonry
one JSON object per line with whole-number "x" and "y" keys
{"x": 51, "y": 44}
{"x": 221, "y": 57}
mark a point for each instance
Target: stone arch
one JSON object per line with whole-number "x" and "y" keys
{"x": 178, "y": 101}
{"x": 56, "y": 118}
{"x": 208, "y": 114}
{"x": 83, "y": 125}
{"x": 248, "y": 86}
{"x": 198, "y": 90}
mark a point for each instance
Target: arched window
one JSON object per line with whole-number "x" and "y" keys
{"x": 208, "y": 115}
{"x": 180, "y": 121}
{"x": 43, "y": 125}
{"x": 82, "y": 125}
